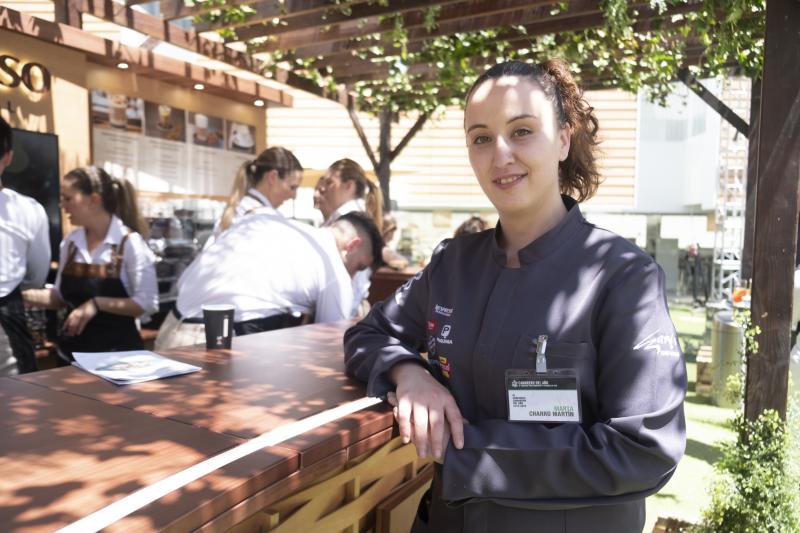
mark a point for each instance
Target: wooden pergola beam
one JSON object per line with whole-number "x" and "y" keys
{"x": 156, "y": 27}
{"x": 68, "y": 12}
{"x": 413, "y": 18}
{"x": 355, "y": 69}
{"x": 261, "y": 27}
{"x": 267, "y": 10}
{"x": 581, "y": 14}
{"x": 339, "y": 37}
{"x": 162, "y": 30}
{"x": 140, "y": 60}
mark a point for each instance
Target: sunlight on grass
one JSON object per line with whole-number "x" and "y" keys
{"x": 687, "y": 493}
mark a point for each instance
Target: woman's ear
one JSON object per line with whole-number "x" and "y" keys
{"x": 349, "y": 186}
{"x": 95, "y": 200}
{"x": 564, "y": 136}
{"x": 271, "y": 176}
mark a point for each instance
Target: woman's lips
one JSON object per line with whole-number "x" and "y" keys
{"x": 508, "y": 180}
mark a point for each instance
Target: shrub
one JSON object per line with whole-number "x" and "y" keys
{"x": 756, "y": 490}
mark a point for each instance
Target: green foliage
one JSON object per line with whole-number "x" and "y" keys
{"x": 756, "y": 491}
{"x": 622, "y": 53}
{"x": 734, "y": 384}
{"x": 758, "y": 476}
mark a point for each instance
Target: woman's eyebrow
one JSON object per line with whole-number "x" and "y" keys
{"x": 522, "y": 116}
{"x": 509, "y": 121}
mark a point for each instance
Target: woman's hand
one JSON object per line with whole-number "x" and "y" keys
{"x": 426, "y": 412}
{"x": 79, "y": 317}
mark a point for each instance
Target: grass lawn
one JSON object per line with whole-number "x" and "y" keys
{"x": 687, "y": 494}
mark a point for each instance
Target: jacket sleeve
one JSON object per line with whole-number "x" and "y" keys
{"x": 639, "y": 435}
{"x": 391, "y": 333}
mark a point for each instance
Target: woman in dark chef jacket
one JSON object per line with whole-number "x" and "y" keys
{"x": 577, "y": 443}
{"x": 106, "y": 274}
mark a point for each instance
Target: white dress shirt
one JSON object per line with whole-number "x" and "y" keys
{"x": 248, "y": 204}
{"x": 363, "y": 278}
{"x": 251, "y": 201}
{"x": 267, "y": 265}
{"x": 138, "y": 272}
{"x": 24, "y": 242}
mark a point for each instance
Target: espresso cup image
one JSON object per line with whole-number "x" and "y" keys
{"x": 118, "y": 110}
{"x": 201, "y": 127}
{"x": 218, "y": 321}
{"x": 164, "y": 116}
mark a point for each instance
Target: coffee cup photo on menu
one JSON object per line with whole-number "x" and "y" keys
{"x": 205, "y": 130}
{"x": 117, "y": 111}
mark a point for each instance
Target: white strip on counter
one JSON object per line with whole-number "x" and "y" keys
{"x": 133, "y": 502}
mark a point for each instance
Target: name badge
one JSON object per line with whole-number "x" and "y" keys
{"x": 551, "y": 396}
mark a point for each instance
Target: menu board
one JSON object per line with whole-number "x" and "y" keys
{"x": 161, "y": 148}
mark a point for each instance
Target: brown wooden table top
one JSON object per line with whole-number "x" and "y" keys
{"x": 265, "y": 381}
{"x": 63, "y": 457}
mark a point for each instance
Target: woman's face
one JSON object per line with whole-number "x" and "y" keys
{"x": 80, "y": 207}
{"x": 333, "y": 192}
{"x": 286, "y": 188}
{"x": 515, "y": 144}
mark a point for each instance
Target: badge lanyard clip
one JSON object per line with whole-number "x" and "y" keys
{"x": 541, "y": 358}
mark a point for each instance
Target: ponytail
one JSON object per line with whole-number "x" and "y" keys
{"x": 118, "y": 195}
{"x": 578, "y": 174}
{"x": 373, "y": 204}
{"x": 128, "y": 206}
{"x": 252, "y": 172}
{"x": 241, "y": 183}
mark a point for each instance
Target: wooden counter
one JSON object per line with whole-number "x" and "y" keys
{"x": 72, "y": 443}
{"x": 386, "y": 280}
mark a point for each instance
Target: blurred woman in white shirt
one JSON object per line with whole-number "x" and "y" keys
{"x": 262, "y": 184}
{"x": 342, "y": 189}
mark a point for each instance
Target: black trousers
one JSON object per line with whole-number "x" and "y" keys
{"x": 12, "y": 320}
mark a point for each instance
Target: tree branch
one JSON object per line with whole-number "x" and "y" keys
{"x": 409, "y": 135}
{"x": 361, "y": 135}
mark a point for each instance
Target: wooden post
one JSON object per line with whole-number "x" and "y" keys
{"x": 777, "y": 191}
{"x": 68, "y": 12}
{"x": 384, "y": 170}
{"x": 752, "y": 179}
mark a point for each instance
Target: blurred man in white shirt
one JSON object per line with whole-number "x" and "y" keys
{"x": 25, "y": 258}
{"x": 272, "y": 270}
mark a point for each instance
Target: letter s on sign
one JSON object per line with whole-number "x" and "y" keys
{"x": 9, "y": 76}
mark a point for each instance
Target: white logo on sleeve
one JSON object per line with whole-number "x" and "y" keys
{"x": 442, "y": 310}
{"x": 401, "y": 293}
{"x": 442, "y": 338}
{"x": 664, "y": 345}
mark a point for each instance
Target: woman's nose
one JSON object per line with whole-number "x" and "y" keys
{"x": 503, "y": 154}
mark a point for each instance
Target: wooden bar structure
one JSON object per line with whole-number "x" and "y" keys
{"x": 777, "y": 203}
{"x": 73, "y": 443}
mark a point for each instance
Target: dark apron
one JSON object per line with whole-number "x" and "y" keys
{"x": 106, "y": 332}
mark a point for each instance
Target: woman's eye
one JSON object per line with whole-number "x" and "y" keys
{"x": 521, "y": 132}
{"x": 480, "y": 139}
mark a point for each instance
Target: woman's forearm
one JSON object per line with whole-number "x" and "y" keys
{"x": 118, "y": 306}
{"x": 46, "y": 298}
